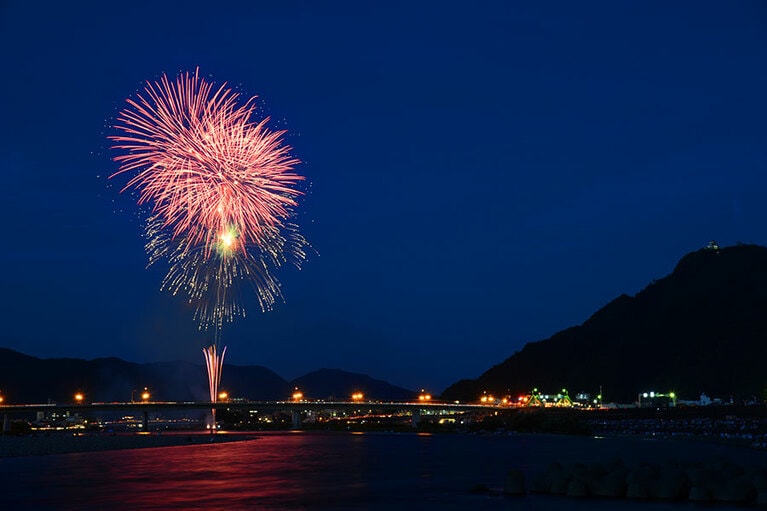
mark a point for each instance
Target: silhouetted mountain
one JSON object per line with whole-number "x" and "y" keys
{"x": 703, "y": 328}
{"x": 28, "y": 379}
{"x": 337, "y": 384}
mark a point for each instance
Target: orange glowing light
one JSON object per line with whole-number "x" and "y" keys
{"x": 79, "y": 397}
{"x": 357, "y": 396}
{"x": 487, "y": 399}
{"x": 223, "y": 396}
{"x": 298, "y": 395}
{"x": 145, "y": 395}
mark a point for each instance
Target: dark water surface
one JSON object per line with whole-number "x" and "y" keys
{"x": 328, "y": 471}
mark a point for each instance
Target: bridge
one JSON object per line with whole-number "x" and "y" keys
{"x": 295, "y": 408}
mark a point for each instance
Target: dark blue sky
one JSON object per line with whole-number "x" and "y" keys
{"x": 481, "y": 174}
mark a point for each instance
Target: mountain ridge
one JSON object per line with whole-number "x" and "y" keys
{"x": 700, "y": 329}
{"x": 28, "y": 379}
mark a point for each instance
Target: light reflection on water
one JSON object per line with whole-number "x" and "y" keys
{"x": 307, "y": 471}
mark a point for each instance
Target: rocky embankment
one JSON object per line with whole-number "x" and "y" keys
{"x": 719, "y": 481}
{"x": 745, "y": 431}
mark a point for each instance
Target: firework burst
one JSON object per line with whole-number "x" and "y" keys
{"x": 221, "y": 188}
{"x": 202, "y": 163}
{"x": 222, "y": 191}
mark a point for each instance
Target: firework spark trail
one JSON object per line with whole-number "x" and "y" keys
{"x": 215, "y": 364}
{"x": 214, "y": 282}
{"x": 222, "y": 191}
{"x": 202, "y": 163}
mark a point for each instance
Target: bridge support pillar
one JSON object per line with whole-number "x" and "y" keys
{"x": 416, "y": 418}
{"x": 296, "y": 416}
{"x": 145, "y": 421}
{"x": 6, "y": 423}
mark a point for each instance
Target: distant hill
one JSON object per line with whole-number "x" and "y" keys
{"x": 27, "y": 379}
{"x": 703, "y": 328}
{"x": 338, "y": 384}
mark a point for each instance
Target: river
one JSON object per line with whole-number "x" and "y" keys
{"x": 327, "y": 471}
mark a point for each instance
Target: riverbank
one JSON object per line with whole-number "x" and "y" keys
{"x": 630, "y": 468}
{"x": 67, "y": 442}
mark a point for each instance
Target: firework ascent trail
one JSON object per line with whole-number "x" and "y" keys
{"x": 222, "y": 192}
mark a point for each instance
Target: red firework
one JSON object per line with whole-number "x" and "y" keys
{"x": 202, "y": 164}
{"x": 221, "y": 188}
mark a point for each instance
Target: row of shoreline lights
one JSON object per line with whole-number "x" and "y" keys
{"x": 536, "y": 398}
{"x": 653, "y": 395}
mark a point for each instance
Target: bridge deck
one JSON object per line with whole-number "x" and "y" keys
{"x": 248, "y": 405}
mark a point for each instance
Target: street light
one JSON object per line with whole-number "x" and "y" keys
{"x": 653, "y": 395}
{"x": 487, "y": 398}
{"x": 297, "y": 395}
{"x": 145, "y": 395}
{"x": 357, "y": 396}
{"x": 79, "y": 398}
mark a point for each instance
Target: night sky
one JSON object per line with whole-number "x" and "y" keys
{"x": 479, "y": 174}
